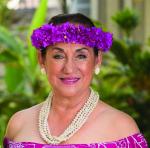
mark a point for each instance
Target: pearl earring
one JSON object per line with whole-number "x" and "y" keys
{"x": 43, "y": 71}
{"x": 97, "y": 70}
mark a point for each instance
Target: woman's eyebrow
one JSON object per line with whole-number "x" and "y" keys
{"x": 57, "y": 48}
{"x": 81, "y": 49}
{"x": 62, "y": 50}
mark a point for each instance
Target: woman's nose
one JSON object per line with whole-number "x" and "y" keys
{"x": 69, "y": 66}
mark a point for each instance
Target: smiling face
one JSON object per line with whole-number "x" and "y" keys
{"x": 69, "y": 67}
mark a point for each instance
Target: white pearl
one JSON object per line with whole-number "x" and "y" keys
{"x": 75, "y": 125}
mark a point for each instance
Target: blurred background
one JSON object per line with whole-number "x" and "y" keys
{"x": 124, "y": 80}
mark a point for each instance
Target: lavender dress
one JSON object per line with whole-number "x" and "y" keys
{"x": 133, "y": 141}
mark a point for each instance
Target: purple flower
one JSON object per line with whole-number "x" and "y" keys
{"x": 50, "y": 34}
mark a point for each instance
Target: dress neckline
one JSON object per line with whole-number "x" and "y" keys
{"x": 134, "y": 136}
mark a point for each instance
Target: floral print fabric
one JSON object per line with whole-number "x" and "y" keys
{"x": 133, "y": 141}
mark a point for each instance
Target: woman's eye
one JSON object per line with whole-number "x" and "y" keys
{"x": 58, "y": 56}
{"x": 82, "y": 56}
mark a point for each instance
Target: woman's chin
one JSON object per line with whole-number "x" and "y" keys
{"x": 69, "y": 88}
{"x": 68, "y": 91}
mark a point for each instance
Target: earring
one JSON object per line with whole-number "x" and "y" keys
{"x": 97, "y": 70}
{"x": 43, "y": 71}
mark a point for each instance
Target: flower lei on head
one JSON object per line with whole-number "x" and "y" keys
{"x": 50, "y": 34}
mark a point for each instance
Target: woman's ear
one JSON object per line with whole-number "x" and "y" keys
{"x": 98, "y": 60}
{"x": 40, "y": 59}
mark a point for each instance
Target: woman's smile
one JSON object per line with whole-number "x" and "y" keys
{"x": 70, "y": 80}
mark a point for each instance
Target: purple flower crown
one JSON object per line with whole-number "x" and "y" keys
{"x": 50, "y": 34}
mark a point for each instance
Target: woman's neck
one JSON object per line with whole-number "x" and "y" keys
{"x": 61, "y": 104}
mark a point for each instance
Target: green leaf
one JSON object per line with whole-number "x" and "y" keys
{"x": 127, "y": 19}
{"x": 119, "y": 49}
{"x": 13, "y": 77}
{"x": 6, "y": 56}
{"x": 10, "y": 42}
{"x": 38, "y": 20}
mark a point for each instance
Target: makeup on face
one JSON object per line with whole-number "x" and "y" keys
{"x": 69, "y": 67}
{"x": 70, "y": 80}
{"x": 59, "y": 54}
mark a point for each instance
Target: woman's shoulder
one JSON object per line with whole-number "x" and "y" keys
{"x": 19, "y": 119}
{"x": 120, "y": 123}
{"x": 124, "y": 123}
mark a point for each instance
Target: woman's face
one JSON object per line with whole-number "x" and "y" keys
{"x": 70, "y": 67}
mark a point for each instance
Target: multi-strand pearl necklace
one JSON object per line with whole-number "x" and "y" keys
{"x": 75, "y": 125}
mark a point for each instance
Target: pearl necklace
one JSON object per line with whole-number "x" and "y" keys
{"x": 75, "y": 125}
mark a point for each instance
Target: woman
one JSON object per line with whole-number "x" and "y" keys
{"x": 69, "y": 50}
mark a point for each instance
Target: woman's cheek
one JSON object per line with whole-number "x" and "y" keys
{"x": 87, "y": 67}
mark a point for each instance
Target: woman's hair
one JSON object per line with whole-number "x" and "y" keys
{"x": 72, "y": 18}
{"x": 75, "y": 18}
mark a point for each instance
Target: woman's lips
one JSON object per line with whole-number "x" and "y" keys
{"x": 69, "y": 81}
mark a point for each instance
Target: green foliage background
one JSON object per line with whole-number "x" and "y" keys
{"x": 123, "y": 81}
